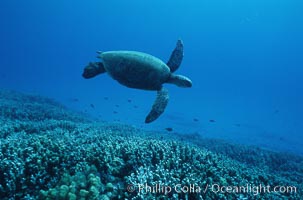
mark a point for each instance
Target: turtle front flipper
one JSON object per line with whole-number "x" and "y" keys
{"x": 93, "y": 69}
{"x": 158, "y": 106}
{"x": 176, "y": 57}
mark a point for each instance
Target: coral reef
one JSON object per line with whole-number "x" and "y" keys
{"x": 16, "y": 106}
{"x": 49, "y": 152}
{"x": 82, "y": 185}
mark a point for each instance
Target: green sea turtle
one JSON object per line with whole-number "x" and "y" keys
{"x": 142, "y": 71}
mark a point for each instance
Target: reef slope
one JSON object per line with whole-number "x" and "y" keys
{"x": 50, "y": 152}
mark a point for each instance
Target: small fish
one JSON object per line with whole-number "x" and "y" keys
{"x": 212, "y": 120}
{"x": 169, "y": 129}
{"x": 92, "y": 105}
{"x": 195, "y": 120}
{"x": 129, "y": 100}
{"x": 115, "y": 112}
{"x": 73, "y": 100}
{"x": 105, "y": 98}
{"x": 135, "y": 106}
{"x": 117, "y": 106}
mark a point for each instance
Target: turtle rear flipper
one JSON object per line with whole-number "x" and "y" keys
{"x": 176, "y": 57}
{"x": 93, "y": 69}
{"x": 158, "y": 106}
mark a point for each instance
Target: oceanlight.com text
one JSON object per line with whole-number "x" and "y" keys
{"x": 215, "y": 188}
{"x": 253, "y": 189}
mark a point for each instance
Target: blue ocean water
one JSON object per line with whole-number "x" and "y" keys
{"x": 244, "y": 58}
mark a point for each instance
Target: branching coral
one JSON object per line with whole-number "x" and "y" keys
{"x": 65, "y": 157}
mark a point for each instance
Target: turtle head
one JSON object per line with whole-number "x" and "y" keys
{"x": 93, "y": 69}
{"x": 180, "y": 81}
